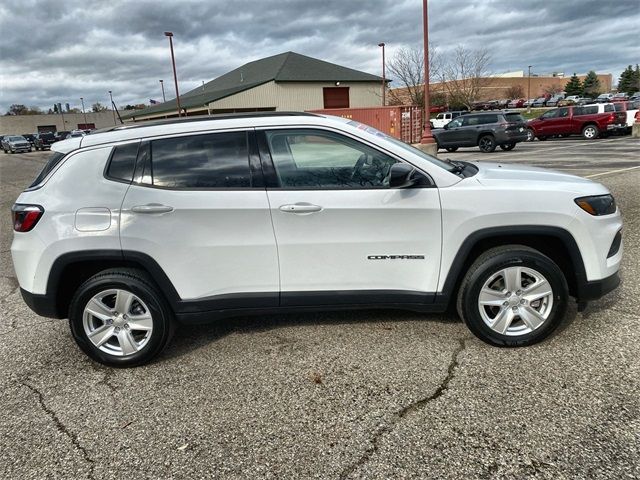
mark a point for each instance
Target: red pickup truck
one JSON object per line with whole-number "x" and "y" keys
{"x": 576, "y": 120}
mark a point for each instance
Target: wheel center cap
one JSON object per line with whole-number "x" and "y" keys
{"x": 514, "y": 300}
{"x": 118, "y": 321}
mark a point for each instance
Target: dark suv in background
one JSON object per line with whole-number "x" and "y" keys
{"x": 486, "y": 130}
{"x": 43, "y": 140}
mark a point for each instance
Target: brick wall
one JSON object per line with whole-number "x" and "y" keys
{"x": 19, "y": 124}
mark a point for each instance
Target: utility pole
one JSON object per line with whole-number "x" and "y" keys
{"x": 84, "y": 113}
{"x": 162, "y": 86}
{"x": 384, "y": 78}
{"x": 427, "y": 142}
{"x": 175, "y": 75}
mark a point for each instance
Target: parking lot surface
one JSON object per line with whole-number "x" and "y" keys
{"x": 373, "y": 394}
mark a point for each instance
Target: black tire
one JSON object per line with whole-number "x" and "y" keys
{"x": 542, "y": 138}
{"x": 493, "y": 261}
{"x": 138, "y": 283}
{"x": 508, "y": 146}
{"x": 590, "y": 132}
{"x": 451, "y": 149}
{"x": 487, "y": 143}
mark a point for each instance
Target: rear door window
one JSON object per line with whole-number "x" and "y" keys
{"x": 123, "y": 162}
{"x": 217, "y": 160}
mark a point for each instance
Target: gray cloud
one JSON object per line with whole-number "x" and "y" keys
{"x": 59, "y": 51}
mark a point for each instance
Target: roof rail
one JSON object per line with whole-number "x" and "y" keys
{"x": 201, "y": 118}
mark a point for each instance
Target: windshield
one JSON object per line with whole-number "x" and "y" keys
{"x": 405, "y": 146}
{"x": 16, "y": 139}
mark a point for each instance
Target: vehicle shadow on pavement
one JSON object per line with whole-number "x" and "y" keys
{"x": 189, "y": 338}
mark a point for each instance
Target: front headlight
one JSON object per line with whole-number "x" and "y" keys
{"x": 597, "y": 204}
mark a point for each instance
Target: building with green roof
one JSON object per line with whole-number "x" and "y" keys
{"x": 288, "y": 81}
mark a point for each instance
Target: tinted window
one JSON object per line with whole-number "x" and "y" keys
{"x": 123, "y": 161}
{"x": 514, "y": 118}
{"x": 218, "y": 160}
{"x": 54, "y": 159}
{"x": 563, "y": 112}
{"x": 470, "y": 120}
{"x": 487, "y": 119}
{"x": 585, "y": 110}
{"x": 317, "y": 159}
{"x": 550, "y": 114}
{"x": 609, "y": 107}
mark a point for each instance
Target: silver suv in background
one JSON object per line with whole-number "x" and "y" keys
{"x": 15, "y": 143}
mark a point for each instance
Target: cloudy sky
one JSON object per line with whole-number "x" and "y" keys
{"x": 58, "y": 51}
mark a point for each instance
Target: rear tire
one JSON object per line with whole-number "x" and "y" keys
{"x": 590, "y": 132}
{"x": 513, "y": 296}
{"x": 487, "y": 143}
{"x": 451, "y": 149}
{"x": 508, "y": 146}
{"x": 125, "y": 335}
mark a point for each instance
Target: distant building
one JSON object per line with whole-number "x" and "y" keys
{"x": 19, "y": 124}
{"x": 495, "y": 88}
{"x": 288, "y": 81}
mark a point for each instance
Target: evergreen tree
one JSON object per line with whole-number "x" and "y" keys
{"x": 626, "y": 82}
{"x": 591, "y": 85}
{"x": 55, "y": 108}
{"x": 574, "y": 86}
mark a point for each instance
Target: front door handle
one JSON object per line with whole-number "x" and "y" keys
{"x": 300, "y": 208}
{"x": 152, "y": 208}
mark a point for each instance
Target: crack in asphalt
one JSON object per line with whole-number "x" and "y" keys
{"x": 106, "y": 379}
{"x": 398, "y": 416}
{"x": 62, "y": 428}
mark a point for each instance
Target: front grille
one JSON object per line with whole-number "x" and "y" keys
{"x": 615, "y": 245}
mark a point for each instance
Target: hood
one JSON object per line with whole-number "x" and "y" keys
{"x": 525, "y": 176}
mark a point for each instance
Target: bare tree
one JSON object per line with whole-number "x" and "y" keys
{"x": 552, "y": 89}
{"x": 515, "y": 91}
{"x": 407, "y": 68}
{"x": 464, "y": 74}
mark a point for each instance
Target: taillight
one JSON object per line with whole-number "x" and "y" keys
{"x": 25, "y": 217}
{"x": 612, "y": 117}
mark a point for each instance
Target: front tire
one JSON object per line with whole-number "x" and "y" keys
{"x": 487, "y": 143}
{"x": 452, "y": 149}
{"x": 119, "y": 318}
{"x": 531, "y": 136}
{"x": 513, "y": 296}
{"x": 508, "y": 146}
{"x": 590, "y": 132}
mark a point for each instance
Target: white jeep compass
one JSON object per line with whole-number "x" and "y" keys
{"x": 128, "y": 230}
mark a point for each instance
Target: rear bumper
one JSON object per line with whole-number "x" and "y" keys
{"x": 598, "y": 288}
{"x": 43, "y": 305}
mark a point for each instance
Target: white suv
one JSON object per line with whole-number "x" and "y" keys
{"x": 128, "y": 230}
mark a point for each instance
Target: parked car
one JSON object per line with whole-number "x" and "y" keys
{"x": 567, "y": 121}
{"x": 15, "y": 143}
{"x": 529, "y": 103}
{"x": 42, "y": 141}
{"x": 485, "y": 130}
{"x": 516, "y": 103}
{"x": 635, "y": 96}
{"x": 437, "y": 108}
{"x": 76, "y": 133}
{"x": 620, "y": 97}
{"x": 553, "y": 101}
{"x": 443, "y": 118}
{"x": 162, "y": 231}
{"x": 29, "y": 137}
{"x": 574, "y": 100}
{"x": 604, "y": 98}
{"x": 630, "y": 109}
{"x": 490, "y": 105}
{"x": 61, "y": 135}
{"x": 540, "y": 102}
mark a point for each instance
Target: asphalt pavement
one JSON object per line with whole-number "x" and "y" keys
{"x": 371, "y": 394}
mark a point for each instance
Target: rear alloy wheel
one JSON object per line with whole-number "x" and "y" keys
{"x": 452, "y": 149}
{"x": 119, "y": 318}
{"x": 487, "y": 143}
{"x": 590, "y": 132}
{"x": 531, "y": 136}
{"x": 513, "y": 296}
{"x": 508, "y": 146}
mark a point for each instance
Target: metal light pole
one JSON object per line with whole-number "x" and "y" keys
{"x": 175, "y": 76}
{"x": 162, "y": 86}
{"x": 529, "y": 92}
{"x": 113, "y": 108}
{"x": 384, "y": 78}
{"x": 427, "y": 138}
{"x": 84, "y": 113}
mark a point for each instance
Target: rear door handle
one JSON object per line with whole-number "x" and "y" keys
{"x": 152, "y": 208}
{"x": 300, "y": 208}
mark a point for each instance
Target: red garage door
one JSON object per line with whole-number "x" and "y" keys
{"x": 336, "y": 97}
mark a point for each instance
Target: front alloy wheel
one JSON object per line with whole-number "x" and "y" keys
{"x": 513, "y": 296}
{"x": 487, "y": 143}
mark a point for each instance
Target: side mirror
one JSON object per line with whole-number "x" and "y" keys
{"x": 403, "y": 175}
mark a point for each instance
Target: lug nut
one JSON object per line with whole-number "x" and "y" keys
{"x": 508, "y": 294}
{"x": 504, "y": 304}
{"x": 124, "y": 317}
{"x": 109, "y": 321}
{"x": 117, "y": 329}
{"x": 523, "y": 301}
{"x": 126, "y": 326}
{"x": 519, "y": 292}
{"x": 515, "y": 309}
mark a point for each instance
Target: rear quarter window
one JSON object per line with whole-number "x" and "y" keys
{"x": 54, "y": 159}
{"x": 514, "y": 118}
{"x": 122, "y": 162}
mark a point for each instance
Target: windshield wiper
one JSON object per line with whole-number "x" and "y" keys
{"x": 457, "y": 167}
